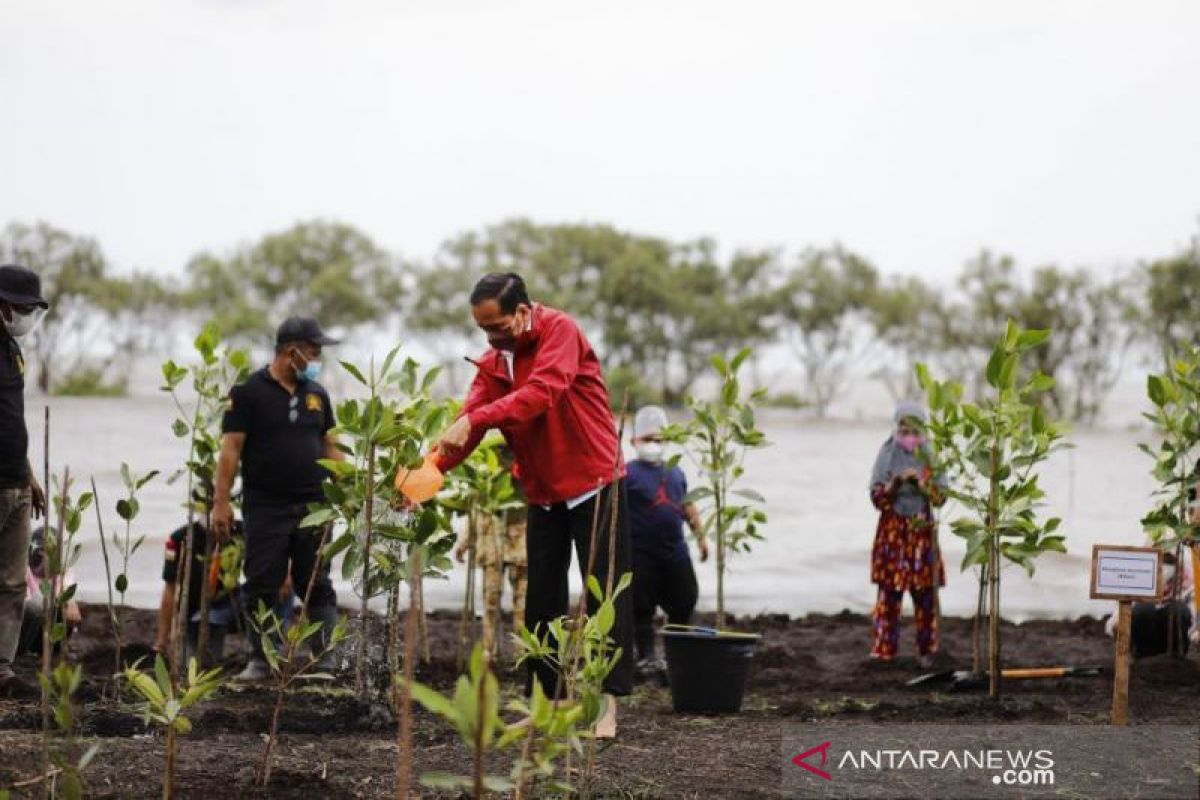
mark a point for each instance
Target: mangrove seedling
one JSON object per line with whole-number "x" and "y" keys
{"x": 66, "y": 775}
{"x": 989, "y": 453}
{"x": 474, "y": 711}
{"x": 163, "y": 705}
{"x": 220, "y": 368}
{"x": 1175, "y": 396}
{"x": 716, "y": 440}
{"x": 61, "y": 553}
{"x": 377, "y": 435}
{"x": 126, "y": 546}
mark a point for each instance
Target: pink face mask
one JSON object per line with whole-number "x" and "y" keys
{"x": 910, "y": 441}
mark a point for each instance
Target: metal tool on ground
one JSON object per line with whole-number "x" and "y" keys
{"x": 966, "y": 680}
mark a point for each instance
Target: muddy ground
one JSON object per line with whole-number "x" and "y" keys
{"x": 806, "y": 670}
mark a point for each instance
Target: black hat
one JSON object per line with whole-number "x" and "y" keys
{"x": 302, "y": 329}
{"x": 21, "y": 286}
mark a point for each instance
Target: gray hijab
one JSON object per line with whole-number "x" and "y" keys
{"x": 894, "y": 459}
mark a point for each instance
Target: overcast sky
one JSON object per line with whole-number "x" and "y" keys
{"x": 914, "y": 132}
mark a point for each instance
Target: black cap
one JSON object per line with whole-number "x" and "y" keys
{"x": 302, "y": 329}
{"x": 21, "y": 286}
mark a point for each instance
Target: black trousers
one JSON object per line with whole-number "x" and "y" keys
{"x": 1150, "y": 628}
{"x": 550, "y": 536}
{"x": 273, "y": 539}
{"x": 666, "y": 584}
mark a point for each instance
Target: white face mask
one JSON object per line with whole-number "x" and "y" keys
{"x": 650, "y": 452}
{"x": 22, "y": 324}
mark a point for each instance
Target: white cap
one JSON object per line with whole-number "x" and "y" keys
{"x": 648, "y": 421}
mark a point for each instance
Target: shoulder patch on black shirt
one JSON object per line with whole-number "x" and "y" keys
{"x": 313, "y": 402}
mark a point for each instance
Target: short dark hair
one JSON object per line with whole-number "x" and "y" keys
{"x": 506, "y": 288}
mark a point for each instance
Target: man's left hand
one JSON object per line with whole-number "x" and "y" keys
{"x": 702, "y": 544}
{"x": 456, "y": 435}
{"x": 37, "y": 497}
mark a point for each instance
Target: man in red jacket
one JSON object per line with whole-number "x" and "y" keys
{"x": 541, "y": 385}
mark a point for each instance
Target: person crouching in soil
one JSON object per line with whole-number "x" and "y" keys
{"x": 905, "y": 557}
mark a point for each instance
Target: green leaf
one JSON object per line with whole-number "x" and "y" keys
{"x": 1154, "y": 388}
{"x": 180, "y": 428}
{"x": 1028, "y": 340}
{"x": 354, "y": 372}
{"x": 994, "y": 365}
{"x": 121, "y": 583}
{"x": 1008, "y": 372}
{"x": 127, "y": 508}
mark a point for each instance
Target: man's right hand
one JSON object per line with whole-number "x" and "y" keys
{"x": 222, "y": 520}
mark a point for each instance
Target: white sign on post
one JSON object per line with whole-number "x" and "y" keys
{"x": 1125, "y": 573}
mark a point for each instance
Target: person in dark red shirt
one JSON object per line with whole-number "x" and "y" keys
{"x": 541, "y": 385}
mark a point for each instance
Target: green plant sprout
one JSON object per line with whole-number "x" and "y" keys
{"x": 717, "y": 439}
{"x": 66, "y": 775}
{"x": 126, "y": 546}
{"x": 1175, "y": 396}
{"x": 62, "y": 552}
{"x": 164, "y": 705}
{"x": 990, "y": 452}
{"x": 378, "y": 436}
{"x": 220, "y": 368}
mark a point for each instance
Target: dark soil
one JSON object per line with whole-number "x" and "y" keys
{"x": 806, "y": 670}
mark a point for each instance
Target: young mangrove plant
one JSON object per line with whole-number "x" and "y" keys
{"x": 61, "y": 553}
{"x": 199, "y": 421}
{"x": 1175, "y": 397}
{"x": 164, "y": 703}
{"x": 474, "y": 711}
{"x": 990, "y": 452}
{"x": 716, "y": 440}
{"x": 126, "y": 546}
{"x": 65, "y": 778}
{"x": 582, "y": 651}
{"x": 378, "y": 435}
{"x": 287, "y": 666}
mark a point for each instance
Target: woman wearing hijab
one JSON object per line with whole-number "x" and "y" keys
{"x": 905, "y": 556}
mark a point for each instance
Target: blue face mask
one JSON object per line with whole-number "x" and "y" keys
{"x": 311, "y": 370}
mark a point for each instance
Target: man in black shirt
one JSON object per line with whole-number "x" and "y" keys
{"x": 277, "y": 426}
{"x": 21, "y": 309}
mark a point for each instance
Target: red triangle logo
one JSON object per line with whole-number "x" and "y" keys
{"x": 823, "y": 749}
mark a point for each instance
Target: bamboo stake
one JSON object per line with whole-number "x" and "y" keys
{"x": 405, "y": 749}
{"x": 360, "y": 667}
{"x": 112, "y": 609}
{"x": 467, "y": 621}
{"x": 206, "y": 588}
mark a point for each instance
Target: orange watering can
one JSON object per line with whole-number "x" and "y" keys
{"x": 422, "y": 483}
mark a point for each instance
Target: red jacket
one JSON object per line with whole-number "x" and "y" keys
{"x": 554, "y": 412}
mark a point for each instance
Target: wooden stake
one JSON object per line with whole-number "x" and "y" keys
{"x": 1120, "y": 707}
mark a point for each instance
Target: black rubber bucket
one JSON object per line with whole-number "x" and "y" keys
{"x": 708, "y": 668}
